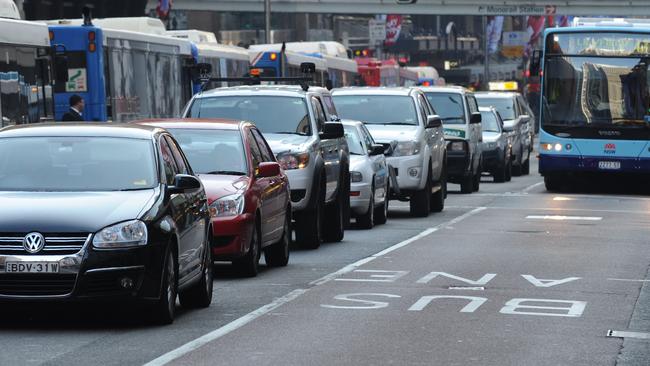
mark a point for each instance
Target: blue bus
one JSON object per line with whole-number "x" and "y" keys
{"x": 124, "y": 68}
{"x": 595, "y": 100}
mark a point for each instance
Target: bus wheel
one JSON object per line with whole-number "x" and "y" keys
{"x": 552, "y": 183}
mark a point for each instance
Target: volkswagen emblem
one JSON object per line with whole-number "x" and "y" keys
{"x": 33, "y": 242}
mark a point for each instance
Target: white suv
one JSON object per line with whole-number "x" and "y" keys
{"x": 402, "y": 120}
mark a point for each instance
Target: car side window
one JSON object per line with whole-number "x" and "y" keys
{"x": 183, "y": 167}
{"x": 366, "y": 137}
{"x": 256, "y": 154}
{"x": 423, "y": 108}
{"x": 167, "y": 157}
{"x": 471, "y": 102}
{"x": 329, "y": 105}
{"x": 319, "y": 113}
{"x": 267, "y": 154}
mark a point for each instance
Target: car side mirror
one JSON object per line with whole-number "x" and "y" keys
{"x": 268, "y": 170}
{"x": 508, "y": 129}
{"x": 332, "y": 130}
{"x": 475, "y": 118}
{"x": 377, "y": 149}
{"x": 525, "y": 117}
{"x": 434, "y": 121}
{"x": 185, "y": 183}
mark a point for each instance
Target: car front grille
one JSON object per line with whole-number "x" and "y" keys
{"x": 31, "y": 284}
{"x": 55, "y": 244}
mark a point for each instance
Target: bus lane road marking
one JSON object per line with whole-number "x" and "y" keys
{"x": 240, "y": 322}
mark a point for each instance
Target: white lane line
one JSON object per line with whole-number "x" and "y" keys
{"x": 626, "y": 280}
{"x": 429, "y": 231}
{"x": 626, "y": 334}
{"x": 562, "y": 218}
{"x": 220, "y": 332}
{"x": 238, "y": 323}
{"x": 531, "y": 187}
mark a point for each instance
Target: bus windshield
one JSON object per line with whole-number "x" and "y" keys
{"x": 596, "y": 91}
{"x": 596, "y": 79}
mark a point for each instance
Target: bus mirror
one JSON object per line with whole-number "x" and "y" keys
{"x": 201, "y": 71}
{"x": 535, "y": 62}
{"x": 329, "y": 84}
{"x": 60, "y": 68}
{"x": 42, "y": 64}
{"x": 308, "y": 68}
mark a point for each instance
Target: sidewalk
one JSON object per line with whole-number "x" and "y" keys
{"x": 635, "y": 352}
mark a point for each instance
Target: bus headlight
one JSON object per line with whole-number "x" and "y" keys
{"x": 557, "y": 147}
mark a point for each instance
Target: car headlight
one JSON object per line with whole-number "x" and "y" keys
{"x": 123, "y": 235}
{"x": 356, "y": 177}
{"x": 457, "y": 146}
{"x": 231, "y": 205}
{"x": 289, "y": 161}
{"x": 490, "y": 145}
{"x": 406, "y": 148}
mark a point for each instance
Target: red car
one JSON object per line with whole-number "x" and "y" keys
{"x": 248, "y": 193}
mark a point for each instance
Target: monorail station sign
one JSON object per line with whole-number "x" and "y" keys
{"x": 517, "y": 9}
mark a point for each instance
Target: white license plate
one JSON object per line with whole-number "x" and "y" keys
{"x": 31, "y": 267}
{"x": 609, "y": 165}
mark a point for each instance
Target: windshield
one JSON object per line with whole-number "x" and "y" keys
{"x": 354, "y": 140}
{"x": 271, "y": 114}
{"x": 76, "y": 164}
{"x": 489, "y": 122}
{"x": 449, "y": 107}
{"x": 377, "y": 109}
{"x": 596, "y": 91}
{"x": 213, "y": 151}
{"x": 505, "y": 106}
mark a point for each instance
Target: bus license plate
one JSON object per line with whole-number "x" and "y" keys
{"x": 609, "y": 165}
{"x": 31, "y": 267}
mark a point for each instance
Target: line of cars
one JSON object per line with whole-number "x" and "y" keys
{"x": 141, "y": 211}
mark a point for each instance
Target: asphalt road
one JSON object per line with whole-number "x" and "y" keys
{"x": 511, "y": 275}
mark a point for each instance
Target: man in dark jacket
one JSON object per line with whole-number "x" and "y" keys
{"x": 76, "y": 109}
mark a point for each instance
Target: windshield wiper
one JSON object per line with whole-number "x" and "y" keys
{"x": 355, "y": 153}
{"x": 291, "y": 133}
{"x": 393, "y": 123}
{"x": 225, "y": 172}
{"x": 449, "y": 118}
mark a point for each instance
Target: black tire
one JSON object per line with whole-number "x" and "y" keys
{"x": 525, "y": 167}
{"x": 552, "y": 183}
{"x": 277, "y": 255}
{"x": 200, "y": 295}
{"x": 347, "y": 212}
{"x": 367, "y": 220}
{"x": 509, "y": 170}
{"x": 309, "y": 227}
{"x": 467, "y": 184}
{"x": 476, "y": 184}
{"x": 438, "y": 198}
{"x": 516, "y": 169}
{"x": 500, "y": 172}
{"x": 309, "y": 224}
{"x": 164, "y": 310}
{"x": 381, "y": 212}
{"x": 248, "y": 265}
{"x": 335, "y": 219}
{"x": 420, "y": 202}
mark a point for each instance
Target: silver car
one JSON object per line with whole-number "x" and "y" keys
{"x": 496, "y": 146}
{"x": 369, "y": 178}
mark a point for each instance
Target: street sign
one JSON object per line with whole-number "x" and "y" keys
{"x": 376, "y": 30}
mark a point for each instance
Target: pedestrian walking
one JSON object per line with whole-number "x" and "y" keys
{"x": 75, "y": 113}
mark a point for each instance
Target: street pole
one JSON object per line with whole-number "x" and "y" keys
{"x": 486, "y": 61}
{"x": 267, "y": 21}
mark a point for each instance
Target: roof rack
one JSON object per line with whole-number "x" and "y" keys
{"x": 254, "y": 78}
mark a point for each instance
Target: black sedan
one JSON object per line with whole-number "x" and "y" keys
{"x": 102, "y": 212}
